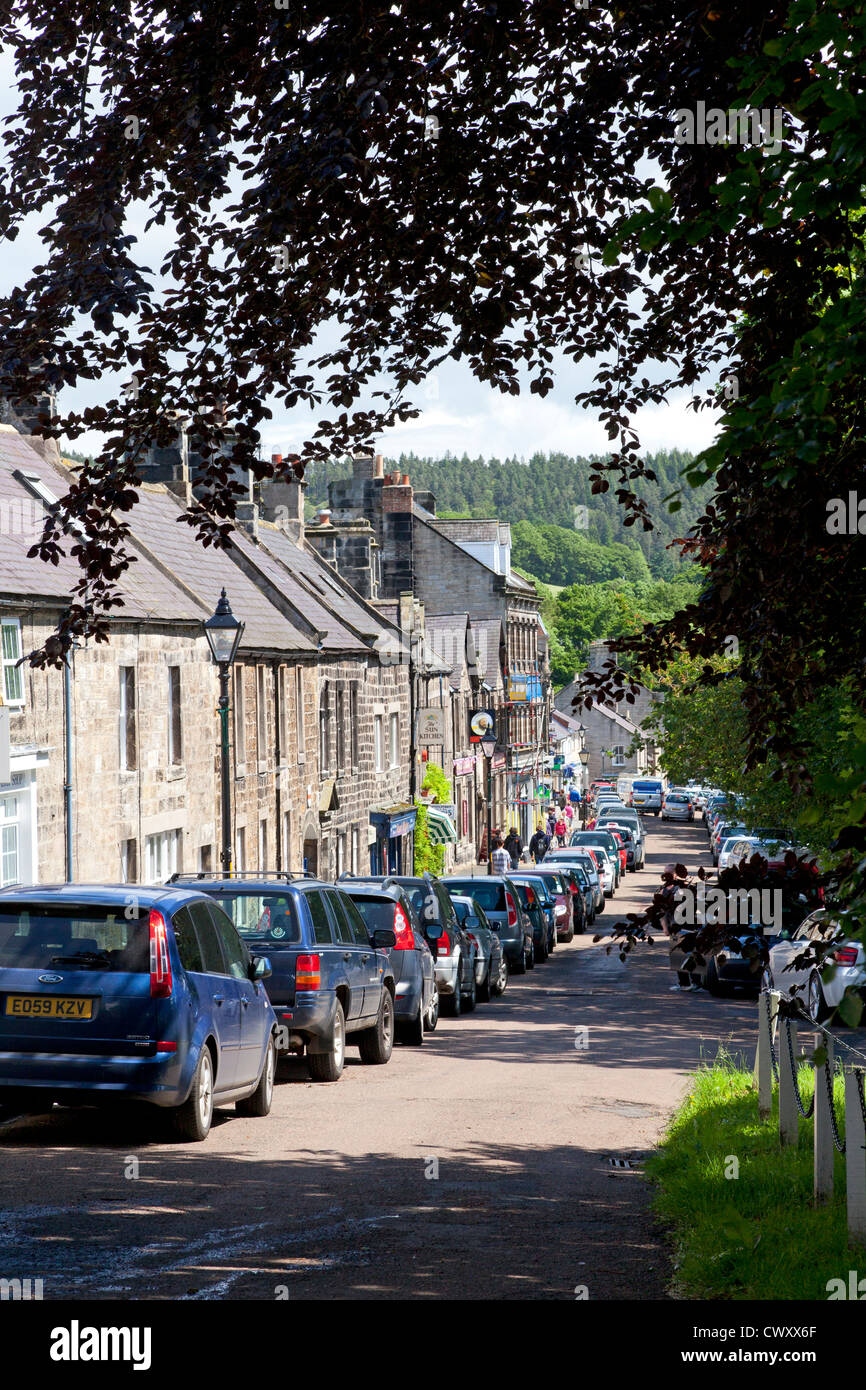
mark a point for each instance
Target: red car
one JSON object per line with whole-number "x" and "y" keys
{"x": 623, "y": 852}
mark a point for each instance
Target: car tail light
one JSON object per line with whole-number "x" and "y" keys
{"x": 846, "y": 955}
{"x": 308, "y": 972}
{"x": 403, "y": 930}
{"x": 160, "y": 963}
{"x": 166, "y": 1046}
{"x": 512, "y": 910}
{"x": 443, "y": 944}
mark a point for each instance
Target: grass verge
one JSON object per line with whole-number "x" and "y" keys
{"x": 757, "y": 1234}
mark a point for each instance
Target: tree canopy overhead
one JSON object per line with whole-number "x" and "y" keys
{"x": 490, "y": 181}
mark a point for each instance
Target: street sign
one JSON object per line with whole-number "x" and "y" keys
{"x": 431, "y": 724}
{"x": 482, "y": 724}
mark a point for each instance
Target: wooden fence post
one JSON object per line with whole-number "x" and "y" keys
{"x": 768, "y": 1008}
{"x": 855, "y": 1158}
{"x": 823, "y": 1177}
{"x": 789, "y": 1127}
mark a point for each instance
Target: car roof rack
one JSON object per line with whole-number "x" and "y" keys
{"x": 195, "y": 877}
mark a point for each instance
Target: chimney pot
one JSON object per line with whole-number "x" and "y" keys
{"x": 324, "y": 516}
{"x": 276, "y": 458}
{"x": 378, "y": 466}
{"x": 405, "y": 479}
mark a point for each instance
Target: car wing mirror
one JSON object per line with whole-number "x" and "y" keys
{"x": 384, "y": 938}
{"x": 432, "y": 931}
{"x": 260, "y": 968}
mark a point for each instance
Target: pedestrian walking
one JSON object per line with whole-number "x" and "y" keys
{"x": 551, "y": 824}
{"x": 560, "y": 830}
{"x": 500, "y": 858}
{"x": 539, "y": 844}
{"x": 514, "y": 845}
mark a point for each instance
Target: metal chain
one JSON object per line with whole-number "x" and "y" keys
{"x": 859, "y": 1077}
{"x": 806, "y": 1113}
{"x": 774, "y": 1061}
{"x": 840, "y": 1143}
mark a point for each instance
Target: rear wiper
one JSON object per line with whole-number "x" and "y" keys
{"x": 88, "y": 957}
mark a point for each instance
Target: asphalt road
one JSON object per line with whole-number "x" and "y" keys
{"x": 477, "y": 1166}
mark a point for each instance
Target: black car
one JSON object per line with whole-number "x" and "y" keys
{"x": 332, "y": 979}
{"x": 501, "y": 902}
{"x": 386, "y": 903}
{"x": 454, "y": 952}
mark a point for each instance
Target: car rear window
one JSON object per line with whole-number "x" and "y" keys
{"x": 270, "y": 915}
{"x": 34, "y": 936}
{"x": 491, "y": 896}
{"x": 376, "y": 912}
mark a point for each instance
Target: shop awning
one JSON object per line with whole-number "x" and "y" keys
{"x": 440, "y": 827}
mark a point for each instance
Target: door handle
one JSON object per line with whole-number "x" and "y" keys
{"x": 245, "y": 1001}
{"x": 219, "y": 999}
{"x": 347, "y": 955}
{"x": 364, "y": 959}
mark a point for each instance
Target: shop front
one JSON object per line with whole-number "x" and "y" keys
{"x": 392, "y": 839}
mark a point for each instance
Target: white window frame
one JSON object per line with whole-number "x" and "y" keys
{"x": 379, "y": 742}
{"x": 10, "y": 667}
{"x": 394, "y": 739}
{"x": 163, "y": 854}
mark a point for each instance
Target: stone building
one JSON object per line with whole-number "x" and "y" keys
{"x": 320, "y": 724}
{"x": 461, "y": 567}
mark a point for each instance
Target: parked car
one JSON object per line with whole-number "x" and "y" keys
{"x": 531, "y": 902}
{"x": 582, "y": 856}
{"x": 332, "y": 979}
{"x": 739, "y": 965}
{"x": 453, "y": 951}
{"x": 725, "y": 830}
{"x": 491, "y": 967}
{"x": 136, "y": 993}
{"x": 677, "y": 806}
{"x": 496, "y": 894}
{"x": 582, "y": 895}
{"x": 604, "y": 841}
{"x": 818, "y": 996}
{"x": 546, "y": 895}
{"x": 385, "y": 903}
{"x": 725, "y": 848}
{"x": 567, "y": 900}
{"x": 625, "y": 834}
{"x": 626, "y": 816}
{"x": 622, "y": 851}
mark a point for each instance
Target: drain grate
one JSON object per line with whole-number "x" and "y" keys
{"x": 620, "y": 1163}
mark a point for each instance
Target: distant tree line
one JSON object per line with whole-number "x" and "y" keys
{"x": 559, "y": 527}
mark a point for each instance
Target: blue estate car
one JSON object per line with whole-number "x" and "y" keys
{"x": 131, "y": 992}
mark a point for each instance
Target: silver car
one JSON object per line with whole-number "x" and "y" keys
{"x": 491, "y": 967}
{"x": 817, "y": 995}
{"x": 577, "y": 854}
{"x": 678, "y": 806}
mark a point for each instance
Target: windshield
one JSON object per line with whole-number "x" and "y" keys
{"x": 39, "y": 936}
{"x": 271, "y": 915}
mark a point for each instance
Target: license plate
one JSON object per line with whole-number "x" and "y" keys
{"x": 48, "y": 1006}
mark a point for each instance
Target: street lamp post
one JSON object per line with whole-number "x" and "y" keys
{"x": 584, "y": 758}
{"x": 488, "y": 748}
{"x": 223, "y": 633}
